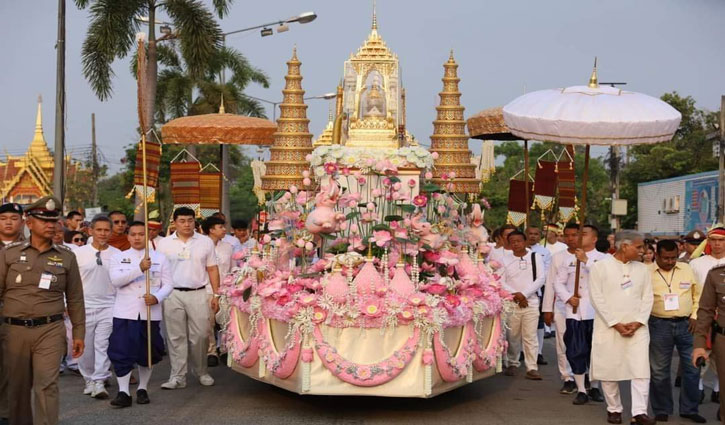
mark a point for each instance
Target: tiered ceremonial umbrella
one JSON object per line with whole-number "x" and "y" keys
{"x": 222, "y": 129}
{"x": 591, "y": 115}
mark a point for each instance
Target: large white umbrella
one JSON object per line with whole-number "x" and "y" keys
{"x": 591, "y": 115}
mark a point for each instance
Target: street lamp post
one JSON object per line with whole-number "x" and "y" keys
{"x": 327, "y": 96}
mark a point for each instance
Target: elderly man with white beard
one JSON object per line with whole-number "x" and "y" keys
{"x": 620, "y": 289}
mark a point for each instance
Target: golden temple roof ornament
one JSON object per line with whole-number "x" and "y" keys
{"x": 594, "y": 80}
{"x": 292, "y": 141}
{"x": 325, "y": 138}
{"x": 449, "y": 137}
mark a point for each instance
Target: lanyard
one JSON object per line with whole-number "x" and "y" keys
{"x": 669, "y": 284}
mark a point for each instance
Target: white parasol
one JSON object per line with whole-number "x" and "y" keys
{"x": 591, "y": 115}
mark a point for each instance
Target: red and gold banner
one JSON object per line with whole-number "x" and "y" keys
{"x": 517, "y": 208}
{"x": 210, "y": 185}
{"x": 185, "y": 184}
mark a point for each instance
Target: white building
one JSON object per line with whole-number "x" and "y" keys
{"x": 677, "y": 205}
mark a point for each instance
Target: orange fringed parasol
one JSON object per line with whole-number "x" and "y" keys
{"x": 489, "y": 125}
{"x": 219, "y": 128}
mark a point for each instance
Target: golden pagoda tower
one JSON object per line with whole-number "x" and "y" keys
{"x": 325, "y": 138}
{"x": 449, "y": 137}
{"x": 293, "y": 140}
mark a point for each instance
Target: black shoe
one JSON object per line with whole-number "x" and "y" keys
{"x": 142, "y": 397}
{"x": 548, "y": 335}
{"x": 718, "y": 414}
{"x": 678, "y": 382}
{"x": 521, "y": 356}
{"x": 715, "y": 397}
{"x": 212, "y": 361}
{"x": 569, "y": 387}
{"x": 581, "y": 398}
{"x": 540, "y": 361}
{"x": 4, "y": 421}
{"x": 662, "y": 418}
{"x": 121, "y": 400}
{"x": 595, "y": 395}
{"x": 702, "y": 396}
{"x": 695, "y": 418}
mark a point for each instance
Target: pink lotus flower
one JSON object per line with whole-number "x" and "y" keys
{"x": 428, "y": 175}
{"x": 427, "y": 267}
{"x": 294, "y": 288}
{"x": 397, "y": 186}
{"x": 434, "y": 155}
{"x": 369, "y": 217}
{"x": 420, "y": 201}
{"x": 293, "y": 189}
{"x": 416, "y": 299}
{"x": 283, "y": 300}
{"x": 309, "y": 246}
{"x": 306, "y": 173}
{"x": 308, "y": 157}
{"x": 307, "y": 299}
{"x": 372, "y": 308}
{"x": 377, "y": 193}
{"x": 405, "y": 315}
{"x": 436, "y": 289}
{"x": 306, "y": 181}
{"x": 361, "y": 181}
{"x": 330, "y": 168}
{"x": 319, "y": 315}
{"x": 452, "y": 175}
{"x": 386, "y": 181}
{"x": 432, "y": 256}
{"x": 266, "y": 239}
{"x": 382, "y": 237}
{"x": 453, "y": 300}
{"x": 345, "y": 171}
{"x": 239, "y": 255}
{"x": 411, "y": 183}
{"x": 381, "y": 291}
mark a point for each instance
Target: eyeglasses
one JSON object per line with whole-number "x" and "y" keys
{"x": 98, "y": 258}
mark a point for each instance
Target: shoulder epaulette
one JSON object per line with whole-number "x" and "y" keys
{"x": 18, "y": 243}
{"x": 57, "y": 246}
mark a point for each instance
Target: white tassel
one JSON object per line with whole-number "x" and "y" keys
{"x": 262, "y": 369}
{"x": 306, "y": 384}
{"x": 428, "y": 380}
{"x": 229, "y": 359}
{"x": 499, "y": 364}
{"x": 469, "y": 373}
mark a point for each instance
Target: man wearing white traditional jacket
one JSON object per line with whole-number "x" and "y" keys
{"x": 128, "y": 342}
{"x": 579, "y": 324}
{"x": 620, "y": 289}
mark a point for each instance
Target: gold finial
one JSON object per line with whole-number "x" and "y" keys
{"x": 370, "y": 249}
{"x": 375, "y": 16}
{"x": 221, "y": 105}
{"x": 294, "y": 53}
{"x": 39, "y": 117}
{"x": 450, "y": 58}
{"x": 593, "y": 80}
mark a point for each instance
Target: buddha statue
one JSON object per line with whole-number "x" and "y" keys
{"x": 375, "y": 102}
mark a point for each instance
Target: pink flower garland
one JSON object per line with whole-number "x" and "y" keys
{"x": 367, "y": 375}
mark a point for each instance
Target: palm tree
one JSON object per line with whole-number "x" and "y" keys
{"x": 112, "y": 31}
{"x": 180, "y": 92}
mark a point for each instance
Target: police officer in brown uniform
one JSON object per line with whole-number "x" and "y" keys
{"x": 35, "y": 276}
{"x": 11, "y": 230}
{"x": 711, "y": 318}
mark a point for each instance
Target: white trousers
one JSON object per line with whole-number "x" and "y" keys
{"x": 211, "y": 351}
{"x": 560, "y": 327}
{"x": 640, "y": 396}
{"x": 70, "y": 361}
{"x": 186, "y": 314}
{"x": 94, "y": 364}
{"x": 522, "y": 323}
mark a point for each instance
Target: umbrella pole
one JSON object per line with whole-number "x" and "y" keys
{"x": 146, "y": 245}
{"x": 526, "y": 181}
{"x": 582, "y": 220}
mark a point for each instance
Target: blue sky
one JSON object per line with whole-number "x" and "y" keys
{"x": 504, "y": 48}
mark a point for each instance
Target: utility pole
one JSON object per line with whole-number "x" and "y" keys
{"x": 59, "y": 157}
{"x": 615, "y": 165}
{"x": 95, "y": 171}
{"x": 721, "y": 180}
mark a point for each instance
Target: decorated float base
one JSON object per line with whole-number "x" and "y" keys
{"x": 353, "y": 361}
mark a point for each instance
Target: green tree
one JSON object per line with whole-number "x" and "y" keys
{"x": 177, "y": 85}
{"x": 687, "y": 153}
{"x": 496, "y": 190}
{"x": 111, "y": 36}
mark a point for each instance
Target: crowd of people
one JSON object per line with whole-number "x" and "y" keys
{"x": 86, "y": 308}
{"x": 75, "y": 299}
{"x": 619, "y": 306}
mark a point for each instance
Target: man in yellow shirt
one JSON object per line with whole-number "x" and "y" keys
{"x": 671, "y": 324}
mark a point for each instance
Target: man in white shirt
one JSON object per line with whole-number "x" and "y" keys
{"x": 522, "y": 276}
{"x": 94, "y": 261}
{"x": 128, "y": 344}
{"x": 533, "y": 236}
{"x": 241, "y": 234}
{"x": 553, "y": 307}
{"x": 497, "y": 254}
{"x": 579, "y": 325}
{"x": 215, "y": 228}
{"x": 186, "y": 311}
{"x": 552, "y": 239}
{"x": 620, "y": 290}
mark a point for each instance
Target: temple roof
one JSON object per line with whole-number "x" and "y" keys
{"x": 374, "y": 48}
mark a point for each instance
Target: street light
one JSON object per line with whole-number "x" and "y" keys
{"x": 326, "y": 96}
{"x": 303, "y": 18}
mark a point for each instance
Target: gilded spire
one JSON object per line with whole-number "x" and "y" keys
{"x": 221, "y": 105}
{"x": 292, "y": 141}
{"x": 594, "y": 80}
{"x": 375, "y": 16}
{"x": 38, "y": 136}
{"x": 449, "y": 137}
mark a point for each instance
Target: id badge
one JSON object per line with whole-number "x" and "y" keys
{"x": 685, "y": 285}
{"x": 672, "y": 302}
{"x": 627, "y": 284}
{"x": 184, "y": 254}
{"x": 45, "y": 280}
{"x": 522, "y": 265}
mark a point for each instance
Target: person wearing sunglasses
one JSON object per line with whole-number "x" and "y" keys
{"x": 99, "y": 295}
{"x": 119, "y": 225}
{"x": 73, "y": 239}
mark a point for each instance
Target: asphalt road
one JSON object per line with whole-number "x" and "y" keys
{"x": 237, "y": 399}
